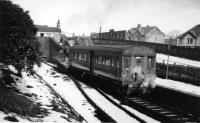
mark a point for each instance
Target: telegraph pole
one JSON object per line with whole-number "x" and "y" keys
{"x": 167, "y": 72}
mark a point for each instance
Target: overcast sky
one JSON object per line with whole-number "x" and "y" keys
{"x": 86, "y": 16}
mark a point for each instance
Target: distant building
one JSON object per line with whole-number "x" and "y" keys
{"x": 146, "y": 34}
{"x": 52, "y": 32}
{"x": 190, "y": 38}
{"x": 115, "y": 35}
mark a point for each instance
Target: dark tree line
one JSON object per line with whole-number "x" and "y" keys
{"x": 18, "y": 43}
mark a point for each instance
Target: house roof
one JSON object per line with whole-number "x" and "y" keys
{"x": 45, "y": 28}
{"x": 194, "y": 31}
{"x": 144, "y": 30}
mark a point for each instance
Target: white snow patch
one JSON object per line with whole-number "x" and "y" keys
{"x": 114, "y": 111}
{"x": 68, "y": 90}
{"x": 42, "y": 94}
{"x": 3, "y": 115}
{"x": 12, "y": 68}
{"x": 178, "y": 86}
{"x": 177, "y": 60}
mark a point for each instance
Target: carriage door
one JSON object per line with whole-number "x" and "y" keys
{"x": 91, "y": 61}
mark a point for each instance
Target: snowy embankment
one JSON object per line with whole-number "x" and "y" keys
{"x": 55, "y": 109}
{"x": 67, "y": 89}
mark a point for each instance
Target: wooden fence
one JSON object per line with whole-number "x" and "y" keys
{"x": 180, "y": 73}
{"x": 184, "y": 52}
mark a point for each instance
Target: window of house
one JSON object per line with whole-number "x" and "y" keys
{"x": 129, "y": 38}
{"x": 41, "y": 34}
{"x": 138, "y": 38}
{"x": 121, "y": 36}
{"x": 188, "y": 40}
{"x": 191, "y": 40}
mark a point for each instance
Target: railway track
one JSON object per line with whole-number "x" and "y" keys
{"x": 160, "y": 113}
{"x": 154, "y": 111}
{"x": 100, "y": 114}
{"x": 104, "y": 117}
{"x": 151, "y": 109}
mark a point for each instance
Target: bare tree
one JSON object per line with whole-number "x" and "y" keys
{"x": 173, "y": 34}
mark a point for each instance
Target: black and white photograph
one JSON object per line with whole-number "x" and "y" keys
{"x": 100, "y": 61}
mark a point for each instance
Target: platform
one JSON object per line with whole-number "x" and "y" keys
{"x": 179, "y": 86}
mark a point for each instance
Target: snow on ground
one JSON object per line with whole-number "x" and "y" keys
{"x": 37, "y": 90}
{"x": 3, "y": 115}
{"x": 144, "y": 117}
{"x": 177, "y": 60}
{"x": 114, "y": 111}
{"x": 68, "y": 90}
{"x": 44, "y": 96}
{"x": 178, "y": 86}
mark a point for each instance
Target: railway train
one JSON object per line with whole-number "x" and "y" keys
{"x": 131, "y": 67}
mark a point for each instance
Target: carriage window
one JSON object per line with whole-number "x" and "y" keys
{"x": 139, "y": 61}
{"x": 112, "y": 61}
{"x": 150, "y": 62}
{"x": 108, "y": 61}
{"x": 117, "y": 61}
{"x": 85, "y": 57}
{"x": 76, "y": 55}
{"x": 99, "y": 59}
{"x": 126, "y": 64}
{"x": 82, "y": 56}
{"x": 103, "y": 60}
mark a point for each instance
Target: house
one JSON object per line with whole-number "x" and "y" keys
{"x": 146, "y": 34}
{"x": 190, "y": 38}
{"x": 52, "y": 32}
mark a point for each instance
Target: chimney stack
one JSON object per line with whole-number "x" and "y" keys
{"x": 139, "y": 27}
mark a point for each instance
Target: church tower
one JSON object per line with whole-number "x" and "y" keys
{"x": 58, "y": 24}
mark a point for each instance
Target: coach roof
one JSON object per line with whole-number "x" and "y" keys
{"x": 126, "y": 50}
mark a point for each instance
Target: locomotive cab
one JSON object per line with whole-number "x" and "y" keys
{"x": 138, "y": 69}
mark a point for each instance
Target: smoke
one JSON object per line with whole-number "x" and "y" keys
{"x": 95, "y": 13}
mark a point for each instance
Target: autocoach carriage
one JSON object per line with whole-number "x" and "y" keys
{"x": 129, "y": 66}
